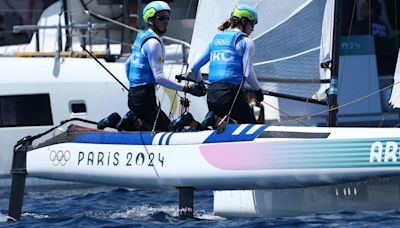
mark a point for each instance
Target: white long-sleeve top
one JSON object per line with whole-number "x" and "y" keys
{"x": 154, "y": 50}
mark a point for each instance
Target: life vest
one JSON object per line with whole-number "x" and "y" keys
{"x": 139, "y": 70}
{"x": 225, "y": 62}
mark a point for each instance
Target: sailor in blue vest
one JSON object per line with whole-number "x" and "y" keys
{"x": 231, "y": 55}
{"x": 144, "y": 68}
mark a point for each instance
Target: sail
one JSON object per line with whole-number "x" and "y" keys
{"x": 395, "y": 97}
{"x": 290, "y": 51}
{"x": 287, "y": 40}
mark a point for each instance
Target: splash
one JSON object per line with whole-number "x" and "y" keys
{"x": 3, "y": 217}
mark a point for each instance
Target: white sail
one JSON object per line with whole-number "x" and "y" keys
{"x": 290, "y": 51}
{"x": 395, "y": 97}
{"x": 211, "y": 14}
{"x": 326, "y": 47}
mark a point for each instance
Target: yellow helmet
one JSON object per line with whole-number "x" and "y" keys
{"x": 152, "y": 8}
{"x": 245, "y": 11}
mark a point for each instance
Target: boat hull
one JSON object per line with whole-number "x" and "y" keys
{"x": 242, "y": 157}
{"x": 378, "y": 194}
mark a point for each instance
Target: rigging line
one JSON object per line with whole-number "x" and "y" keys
{"x": 340, "y": 106}
{"x": 238, "y": 92}
{"x": 169, "y": 75}
{"x": 321, "y": 7}
{"x": 233, "y": 103}
{"x": 91, "y": 55}
{"x": 286, "y": 114}
{"x": 321, "y": 49}
{"x": 288, "y": 57}
{"x": 148, "y": 154}
{"x": 187, "y": 12}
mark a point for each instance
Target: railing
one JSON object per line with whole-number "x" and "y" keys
{"x": 86, "y": 27}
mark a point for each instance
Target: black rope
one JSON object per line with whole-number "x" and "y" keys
{"x": 91, "y": 55}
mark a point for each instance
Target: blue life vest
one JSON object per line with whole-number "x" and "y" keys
{"x": 139, "y": 70}
{"x": 225, "y": 62}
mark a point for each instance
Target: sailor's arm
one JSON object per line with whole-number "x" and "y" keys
{"x": 203, "y": 60}
{"x": 248, "y": 68}
{"x": 153, "y": 50}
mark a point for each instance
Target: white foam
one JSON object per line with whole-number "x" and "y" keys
{"x": 36, "y": 216}
{"x": 145, "y": 210}
{"x": 3, "y": 217}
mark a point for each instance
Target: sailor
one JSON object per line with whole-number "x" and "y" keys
{"x": 231, "y": 54}
{"x": 144, "y": 67}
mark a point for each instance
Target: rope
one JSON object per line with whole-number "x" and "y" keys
{"x": 339, "y": 106}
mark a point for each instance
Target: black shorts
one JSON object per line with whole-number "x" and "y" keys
{"x": 142, "y": 101}
{"x": 220, "y": 97}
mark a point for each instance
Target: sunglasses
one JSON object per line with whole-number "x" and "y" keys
{"x": 162, "y": 18}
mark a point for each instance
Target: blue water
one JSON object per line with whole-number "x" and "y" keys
{"x": 115, "y": 207}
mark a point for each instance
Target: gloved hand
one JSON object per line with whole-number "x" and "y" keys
{"x": 197, "y": 90}
{"x": 259, "y": 95}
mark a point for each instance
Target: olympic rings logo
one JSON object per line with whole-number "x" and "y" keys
{"x": 59, "y": 157}
{"x": 219, "y": 42}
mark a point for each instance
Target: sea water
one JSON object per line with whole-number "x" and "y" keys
{"x": 115, "y": 207}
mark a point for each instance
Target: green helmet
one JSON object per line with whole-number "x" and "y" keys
{"x": 152, "y": 8}
{"x": 245, "y": 11}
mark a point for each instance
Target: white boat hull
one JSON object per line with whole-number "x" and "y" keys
{"x": 377, "y": 194}
{"x": 242, "y": 157}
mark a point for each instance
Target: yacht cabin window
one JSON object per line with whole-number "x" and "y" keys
{"x": 25, "y": 110}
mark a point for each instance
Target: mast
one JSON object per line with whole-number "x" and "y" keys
{"x": 125, "y": 35}
{"x": 332, "y": 102}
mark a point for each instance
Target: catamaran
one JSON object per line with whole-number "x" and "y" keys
{"x": 268, "y": 167}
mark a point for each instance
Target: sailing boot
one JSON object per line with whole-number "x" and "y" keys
{"x": 209, "y": 120}
{"x": 109, "y": 121}
{"x": 130, "y": 122}
{"x": 178, "y": 124}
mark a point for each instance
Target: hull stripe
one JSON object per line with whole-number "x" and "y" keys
{"x": 253, "y": 129}
{"x": 168, "y": 138}
{"x": 161, "y": 138}
{"x": 240, "y": 129}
